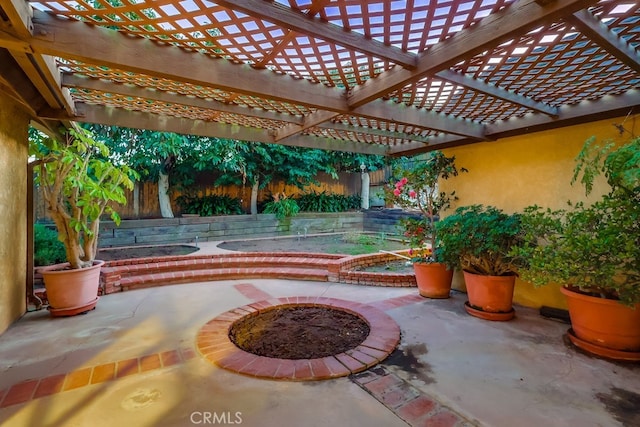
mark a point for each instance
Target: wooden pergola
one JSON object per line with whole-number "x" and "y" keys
{"x": 380, "y": 77}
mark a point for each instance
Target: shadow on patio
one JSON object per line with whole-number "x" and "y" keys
{"x": 133, "y": 361}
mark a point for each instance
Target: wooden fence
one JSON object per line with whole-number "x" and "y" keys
{"x": 143, "y": 201}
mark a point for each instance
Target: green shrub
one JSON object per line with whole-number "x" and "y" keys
{"x": 210, "y": 205}
{"x": 48, "y": 249}
{"x": 359, "y": 238}
{"x": 596, "y": 247}
{"x": 480, "y": 240}
{"x": 282, "y": 206}
{"x": 325, "y": 202}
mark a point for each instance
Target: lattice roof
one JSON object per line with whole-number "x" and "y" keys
{"x": 386, "y": 77}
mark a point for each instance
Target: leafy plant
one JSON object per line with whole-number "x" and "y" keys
{"x": 594, "y": 248}
{"x": 79, "y": 183}
{"x": 282, "y": 206}
{"x": 47, "y": 249}
{"x": 325, "y": 202}
{"x": 480, "y": 240}
{"x": 418, "y": 189}
{"x": 210, "y": 205}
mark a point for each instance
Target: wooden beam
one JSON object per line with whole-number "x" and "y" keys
{"x": 12, "y": 42}
{"x": 496, "y": 92}
{"x": 24, "y": 90}
{"x": 370, "y": 131}
{"x": 20, "y": 14}
{"x": 583, "y": 112}
{"x": 41, "y": 70}
{"x": 296, "y": 21}
{"x": 609, "y": 106}
{"x": 314, "y": 27}
{"x": 141, "y": 120}
{"x": 78, "y": 82}
{"x": 591, "y": 27}
{"x": 513, "y": 21}
{"x": 408, "y": 115}
{"x": 59, "y": 37}
{"x": 310, "y": 121}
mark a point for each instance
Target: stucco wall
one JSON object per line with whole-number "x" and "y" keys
{"x": 516, "y": 172}
{"x": 13, "y": 219}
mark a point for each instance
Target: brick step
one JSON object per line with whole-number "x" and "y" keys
{"x": 175, "y": 277}
{"x": 217, "y": 263}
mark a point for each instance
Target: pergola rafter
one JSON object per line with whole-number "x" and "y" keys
{"x": 386, "y": 77}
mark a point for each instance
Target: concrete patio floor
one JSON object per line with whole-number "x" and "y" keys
{"x": 450, "y": 368}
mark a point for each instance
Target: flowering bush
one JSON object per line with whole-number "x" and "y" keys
{"x": 417, "y": 189}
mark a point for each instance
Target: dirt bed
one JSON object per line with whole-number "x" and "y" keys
{"x": 348, "y": 244}
{"x": 144, "y": 252}
{"x": 299, "y": 332}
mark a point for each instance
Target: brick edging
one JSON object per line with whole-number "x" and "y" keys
{"x": 120, "y": 275}
{"x": 213, "y": 342}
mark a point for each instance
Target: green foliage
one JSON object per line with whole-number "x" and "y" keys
{"x": 151, "y": 153}
{"x": 416, "y": 187}
{"x": 79, "y": 183}
{"x": 282, "y": 206}
{"x": 48, "y": 249}
{"x": 210, "y": 205}
{"x": 361, "y": 238}
{"x": 415, "y": 233}
{"x": 595, "y": 248}
{"x": 480, "y": 239}
{"x": 325, "y": 202}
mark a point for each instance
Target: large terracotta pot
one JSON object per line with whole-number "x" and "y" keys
{"x": 71, "y": 292}
{"x": 433, "y": 279}
{"x": 490, "y": 297}
{"x": 606, "y": 324}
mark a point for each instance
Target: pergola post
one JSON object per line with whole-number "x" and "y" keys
{"x": 14, "y": 125}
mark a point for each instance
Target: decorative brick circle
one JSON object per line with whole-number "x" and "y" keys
{"x": 214, "y": 344}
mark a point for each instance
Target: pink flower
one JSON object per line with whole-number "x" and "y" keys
{"x": 404, "y": 181}
{"x": 399, "y": 184}
{"x": 397, "y": 192}
{"x": 412, "y": 194}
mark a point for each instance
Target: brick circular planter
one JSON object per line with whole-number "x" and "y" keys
{"x": 214, "y": 344}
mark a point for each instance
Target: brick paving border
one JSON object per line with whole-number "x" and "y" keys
{"x": 36, "y": 388}
{"x": 414, "y": 407}
{"x": 214, "y": 343}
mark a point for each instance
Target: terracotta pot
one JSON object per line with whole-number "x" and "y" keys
{"x": 433, "y": 279}
{"x": 71, "y": 292}
{"x": 490, "y": 294}
{"x": 604, "y": 323}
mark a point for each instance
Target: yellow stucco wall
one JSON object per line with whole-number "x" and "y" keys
{"x": 516, "y": 172}
{"x": 13, "y": 204}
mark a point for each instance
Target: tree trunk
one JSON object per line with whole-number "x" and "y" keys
{"x": 364, "y": 203}
{"x": 163, "y": 196}
{"x": 254, "y": 197}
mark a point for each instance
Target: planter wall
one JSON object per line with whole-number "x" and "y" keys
{"x": 230, "y": 227}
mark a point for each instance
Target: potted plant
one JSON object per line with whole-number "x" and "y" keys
{"x": 478, "y": 239}
{"x": 593, "y": 251}
{"x": 417, "y": 189}
{"x": 78, "y": 184}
